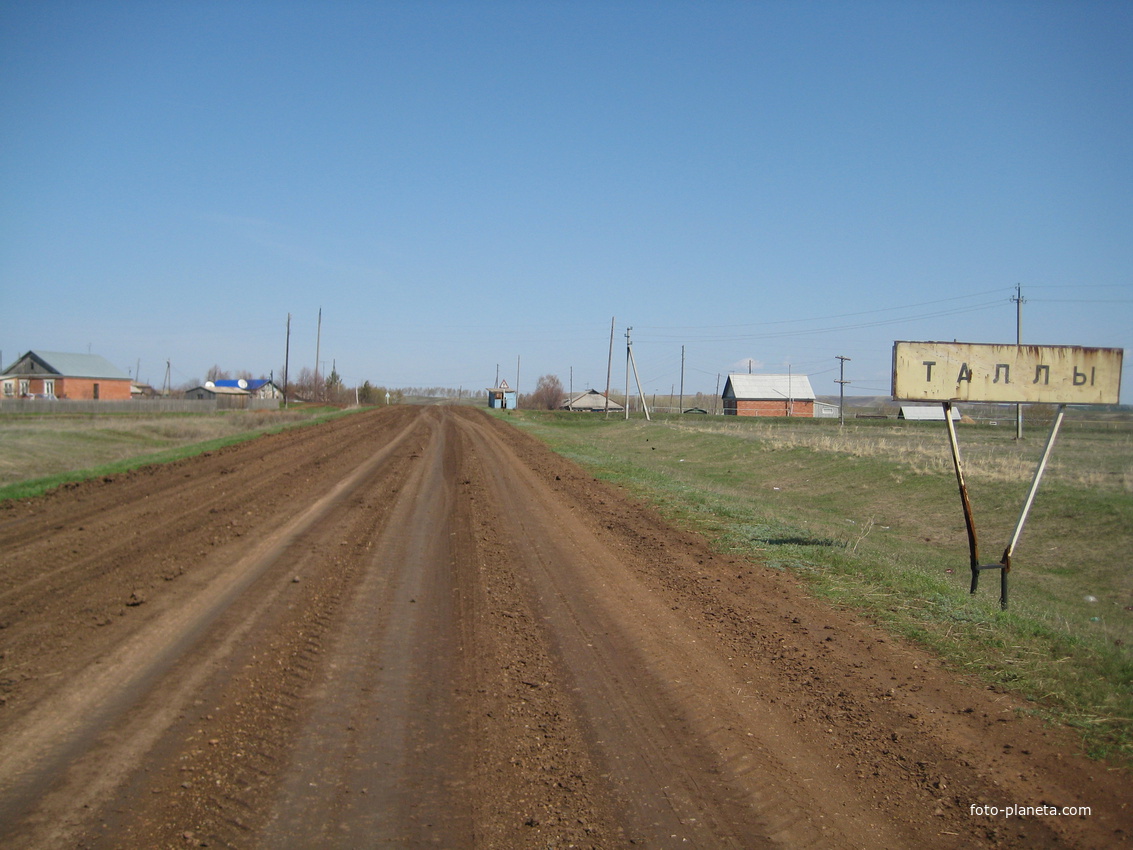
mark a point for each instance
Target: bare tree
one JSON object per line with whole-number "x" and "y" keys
{"x": 302, "y": 386}
{"x": 548, "y": 394}
{"x": 334, "y": 390}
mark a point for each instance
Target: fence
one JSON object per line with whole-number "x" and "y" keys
{"x": 145, "y": 406}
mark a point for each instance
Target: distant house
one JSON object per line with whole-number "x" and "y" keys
{"x": 226, "y": 398}
{"x": 824, "y": 409}
{"x": 926, "y": 412}
{"x": 591, "y": 401}
{"x": 54, "y": 374}
{"x": 503, "y": 397}
{"x": 255, "y": 387}
{"x": 768, "y": 395}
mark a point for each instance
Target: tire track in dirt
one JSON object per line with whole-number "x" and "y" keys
{"x": 673, "y": 728}
{"x": 383, "y": 704}
{"x": 437, "y": 704}
{"x": 538, "y": 784}
{"x": 70, "y": 756}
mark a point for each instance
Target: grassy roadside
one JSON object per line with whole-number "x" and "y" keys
{"x": 870, "y": 517}
{"x": 43, "y": 452}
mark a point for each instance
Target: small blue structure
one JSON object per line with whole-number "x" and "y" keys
{"x": 502, "y": 397}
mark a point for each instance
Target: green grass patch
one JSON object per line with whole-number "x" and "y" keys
{"x": 870, "y": 516}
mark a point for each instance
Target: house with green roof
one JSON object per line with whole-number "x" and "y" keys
{"x": 55, "y": 374}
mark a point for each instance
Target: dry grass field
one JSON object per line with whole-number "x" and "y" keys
{"x": 44, "y": 450}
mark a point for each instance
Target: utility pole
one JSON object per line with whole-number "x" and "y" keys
{"x": 717, "y": 398}
{"x": 682, "y": 406}
{"x": 631, "y": 362}
{"x": 629, "y": 350}
{"x": 286, "y": 360}
{"x": 518, "y": 359}
{"x": 318, "y": 344}
{"x": 842, "y": 390}
{"x": 1018, "y": 299}
{"x": 609, "y": 365}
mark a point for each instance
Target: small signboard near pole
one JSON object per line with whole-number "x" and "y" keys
{"x": 951, "y": 372}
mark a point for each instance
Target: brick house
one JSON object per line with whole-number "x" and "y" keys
{"x": 768, "y": 395}
{"x": 53, "y": 374}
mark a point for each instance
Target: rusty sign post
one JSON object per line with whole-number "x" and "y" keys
{"x": 1037, "y": 374}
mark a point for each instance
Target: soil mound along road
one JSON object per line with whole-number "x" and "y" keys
{"x": 417, "y": 626}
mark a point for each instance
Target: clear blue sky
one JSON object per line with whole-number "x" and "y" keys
{"x": 465, "y": 185}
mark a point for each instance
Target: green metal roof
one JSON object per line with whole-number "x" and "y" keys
{"x": 75, "y": 365}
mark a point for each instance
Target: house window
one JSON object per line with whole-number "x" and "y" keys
{"x": 25, "y": 386}
{"x": 49, "y": 387}
{"x": 9, "y": 389}
{"x": 96, "y": 392}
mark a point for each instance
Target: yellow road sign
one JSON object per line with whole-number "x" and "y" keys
{"x": 1026, "y": 374}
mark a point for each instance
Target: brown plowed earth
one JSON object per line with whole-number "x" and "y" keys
{"x": 419, "y": 627}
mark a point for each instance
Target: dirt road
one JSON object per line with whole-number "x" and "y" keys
{"x": 418, "y": 627}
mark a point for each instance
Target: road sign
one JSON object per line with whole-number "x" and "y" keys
{"x": 1025, "y": 374}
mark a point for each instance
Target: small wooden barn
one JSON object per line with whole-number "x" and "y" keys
{"x": 226, "y": 398}
{"x": 768, "y": 395}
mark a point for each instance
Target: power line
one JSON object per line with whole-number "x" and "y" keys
{"x": 833, "y": 316}
{"x": 826, "y": 329}
{"x": 1082, "y": 300}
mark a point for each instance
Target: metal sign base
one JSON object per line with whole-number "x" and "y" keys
{"x": 1004, "y": 564}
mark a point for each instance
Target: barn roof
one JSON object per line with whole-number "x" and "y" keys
{"x": 591, "y": 400}
{"x": 765, "y": 387}
{"x": 926, "y": 412}
{"x": 216, "y": 389}
{"x": 68, "y": 365}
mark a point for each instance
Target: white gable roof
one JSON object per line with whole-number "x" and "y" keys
{"x": 591, "y": 400}
{"x": 927, "y": 413}
{"x": 764, "y": 387}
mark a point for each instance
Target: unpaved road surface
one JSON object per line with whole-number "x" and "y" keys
{"x": 417, "y": 627}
